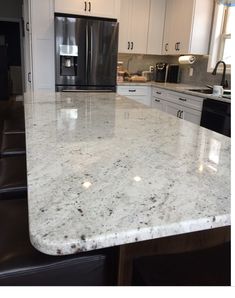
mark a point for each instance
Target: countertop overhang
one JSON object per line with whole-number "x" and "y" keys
{"x": 104, "y": 170}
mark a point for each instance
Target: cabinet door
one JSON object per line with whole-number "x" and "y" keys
{"x": 159, "y": 104}
{"x": 104, "y": 8}
{"x": 124, "y": 26}
{"x": 191, "y": 115}
{"x": 71, "y": 6}
{"x": 183, "y": 26}
{"x": 170, "y": 23}
{"x": 139, "y": 26}
{"x": 173, "y": 109}
{"x": 156, "y": 27}
{"x": 43, "y": 65}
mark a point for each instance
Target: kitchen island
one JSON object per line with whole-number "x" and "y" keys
{"x": 105, "y": 171}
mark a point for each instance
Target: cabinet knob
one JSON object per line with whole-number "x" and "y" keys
{"x": 158, "y": 92}
{"x": 182, "y": 99}
{"x": 166, "y": 47}
{"x": 157, "y": 100}
{"x": 132, "y": 90}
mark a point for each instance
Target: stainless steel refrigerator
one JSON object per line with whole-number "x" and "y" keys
{"x": 86, "y": 53}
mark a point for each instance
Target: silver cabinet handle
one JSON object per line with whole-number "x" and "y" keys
{"x": 27, "y": 26}
{"x": 132, "y": 90}
{"x": 182, "y": 99}
{"x": 29, "y": 77}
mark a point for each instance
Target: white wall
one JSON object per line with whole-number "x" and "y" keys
{"x": 11, "y": 9}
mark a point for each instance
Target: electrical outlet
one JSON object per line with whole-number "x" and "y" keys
{"x": 190, "y": 71}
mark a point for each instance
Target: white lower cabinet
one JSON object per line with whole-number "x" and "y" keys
{"x": 182, "y": 112}
{"x": 178, "y": 104}
{"x": 159, "y": 104}
{"x": 141, "y": 94}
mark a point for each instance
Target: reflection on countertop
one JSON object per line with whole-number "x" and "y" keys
{"x": 104, "y": 170}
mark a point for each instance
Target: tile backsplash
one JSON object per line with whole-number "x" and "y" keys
{"x": 138, "y": 63}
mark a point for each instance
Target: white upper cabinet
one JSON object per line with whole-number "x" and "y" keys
{"x": 156, "y": 26}
{"x": 133, "y": 27}
{"x": 99, "y": 8}
{"x": 187, "y": 27}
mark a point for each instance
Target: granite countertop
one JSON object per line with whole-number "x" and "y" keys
{"x": 104, "y": 170}
{"x": 183, "y": 88}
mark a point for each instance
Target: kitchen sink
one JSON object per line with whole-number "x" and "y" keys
{"x": 227, "y": 93}
{"x": 205, "y": 91}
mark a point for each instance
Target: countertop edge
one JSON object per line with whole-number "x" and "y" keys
{"x": 111, "y": 240}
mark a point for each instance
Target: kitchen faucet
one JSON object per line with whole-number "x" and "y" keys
{"x": 224, "y": 82}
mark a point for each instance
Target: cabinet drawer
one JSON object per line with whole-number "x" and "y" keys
{"x": 186, "y": 100}
{"x": 158, "y": 103}
{"x": 159, "y": 93}
{"x": 133, "y": 90}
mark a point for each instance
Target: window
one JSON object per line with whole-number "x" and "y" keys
{"x": 225, "y": 43}
{"x": 221, "y": 44}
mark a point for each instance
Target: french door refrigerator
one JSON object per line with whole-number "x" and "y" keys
{"x": 86, "y": 53}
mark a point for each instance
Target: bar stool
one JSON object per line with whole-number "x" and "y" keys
{"x": 207, "y": 267}
{"x": 22, "y": 265}
{"x": 13, "y": 144}
{"x": 14, "y": 126}
{"x": 13, "y": 177}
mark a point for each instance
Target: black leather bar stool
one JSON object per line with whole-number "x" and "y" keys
{"x": 23, "y": 265}
{"x": 207, "y": 267}
{"x": 13, "y": 177}
{"x": 14, "y": 126}
{"x": 13, "y": 144}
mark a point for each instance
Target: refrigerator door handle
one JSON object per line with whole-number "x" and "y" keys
{"x": 91, "y": 44}
{"x": 87, "y": 52}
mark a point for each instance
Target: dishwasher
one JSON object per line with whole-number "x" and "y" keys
{"x": 216, "y": 116}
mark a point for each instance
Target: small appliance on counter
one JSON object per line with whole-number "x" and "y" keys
{"x": 160, "y": 72}
{"x": 173, "y": 75}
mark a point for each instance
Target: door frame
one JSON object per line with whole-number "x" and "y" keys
{"x": 19, "y": 21}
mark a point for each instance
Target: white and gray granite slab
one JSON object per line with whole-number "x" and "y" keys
{"x": 104, "y": 170}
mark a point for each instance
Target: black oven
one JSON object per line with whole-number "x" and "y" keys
{"x": 216, "y": 115}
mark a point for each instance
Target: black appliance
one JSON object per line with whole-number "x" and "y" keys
{"x": 161, "y": 72}
{"x": 173, "y": 75}
{"x": 216, "y": 115}
{"x": 86, "y": 53}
